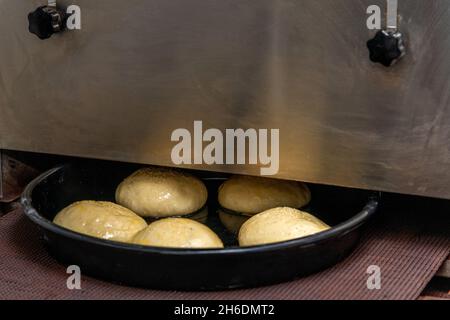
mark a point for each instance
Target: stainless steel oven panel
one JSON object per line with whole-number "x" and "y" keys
{"x": 139, "y": 69}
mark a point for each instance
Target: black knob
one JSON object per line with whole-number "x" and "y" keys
{"x": 386, "y": 47}
{"x": 45, "y": 21}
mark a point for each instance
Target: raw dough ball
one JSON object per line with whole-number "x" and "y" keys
{"x": 101, "y": 219}
{"x": 178, "y": 233}
{"x": 232, "y": 222}
{"x": 278, "y": 225}
{"x": 255, "y": 194}
{"x": 160, "y": 192}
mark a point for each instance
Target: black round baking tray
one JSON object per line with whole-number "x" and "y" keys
{"x": 346, "y": 210}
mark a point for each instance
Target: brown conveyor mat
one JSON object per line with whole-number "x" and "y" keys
{"x": 408, "y": 247}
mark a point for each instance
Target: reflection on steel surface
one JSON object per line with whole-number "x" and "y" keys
{"x": 139, "y": 69}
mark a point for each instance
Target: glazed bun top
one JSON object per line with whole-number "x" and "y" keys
{"x": 101, "y": 219}
{"x": 178, "y": 233}
{"x": 161, "y": 192}
{"x": 252, "y": 195}
{"x": 278, "y": 225}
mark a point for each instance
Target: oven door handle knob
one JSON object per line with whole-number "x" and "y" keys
{"x": 46, "y": 21}
{"x": 386, "y": 47}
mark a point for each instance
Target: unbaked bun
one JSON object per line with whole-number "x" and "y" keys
{"x": 277, "y": 225}
{"x": 252, "y": 195}
{"x": 178, "y": 233}
{"x": 231, "y": 221}
{"x": 101, "y": 219}
{"x": 159, "y": 192}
